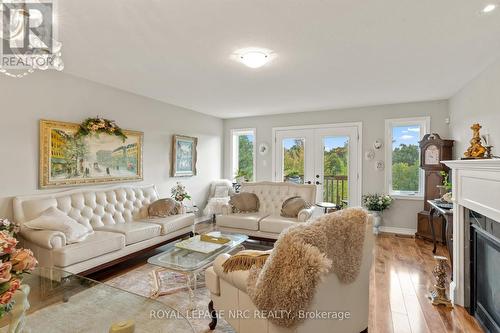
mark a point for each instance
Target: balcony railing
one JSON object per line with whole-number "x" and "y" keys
{"x": 335, "y": 188}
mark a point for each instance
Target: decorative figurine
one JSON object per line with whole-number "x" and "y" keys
{"x": 476, "y": 149}
{"x": 438, "y": 296}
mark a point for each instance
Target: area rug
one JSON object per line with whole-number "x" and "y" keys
{"x": 139, "y": 281}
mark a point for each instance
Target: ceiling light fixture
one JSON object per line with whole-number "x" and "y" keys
{"x": 489, "y": 8}
{"x": 252, "y": 57}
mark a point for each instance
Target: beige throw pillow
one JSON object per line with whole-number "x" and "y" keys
{"x": 164, "y": 208}
{"x": 245, "y": 202}
{"x": 56, "y": 220}
{"x": 292, "y": 206}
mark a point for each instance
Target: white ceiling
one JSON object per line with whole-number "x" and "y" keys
{"x": 330, "y": 54}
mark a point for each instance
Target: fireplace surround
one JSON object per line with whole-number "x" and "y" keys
{"x": 476, "y": 187}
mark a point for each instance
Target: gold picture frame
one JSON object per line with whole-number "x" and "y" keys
{"x": 184, "y": 156}
{"x": 66, "y": 160}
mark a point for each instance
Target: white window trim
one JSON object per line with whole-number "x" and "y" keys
{"x": 234, "y": 154}
{"x": 425, "y": 123}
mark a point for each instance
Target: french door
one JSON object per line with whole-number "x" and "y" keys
{"x": 324, "y": 156}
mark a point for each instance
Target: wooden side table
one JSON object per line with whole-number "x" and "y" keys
{"x": 437, "y": 208}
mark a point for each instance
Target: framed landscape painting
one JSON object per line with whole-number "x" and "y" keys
{"x": 184, "y": 156}
{"x": 68, "y": 160}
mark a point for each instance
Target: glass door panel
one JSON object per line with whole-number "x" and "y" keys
{"x": 336, "y": 170}
{"x": 293, "y": 160}
{"x": 326, "y": 157}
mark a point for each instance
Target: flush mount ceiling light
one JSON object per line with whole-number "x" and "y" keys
{"x": 489, "y": 8}
{"x": 252, "y": 57}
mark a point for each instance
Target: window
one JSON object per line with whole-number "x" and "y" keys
{"x": 243, "y": 154}
{"x": 403, "y": 174}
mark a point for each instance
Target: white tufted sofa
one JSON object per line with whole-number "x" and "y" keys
{"x": 118, "y": 216}
{"x": 267, "y": 223}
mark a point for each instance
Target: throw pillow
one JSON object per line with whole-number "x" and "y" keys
{"x": 56, "y": 220}
{"x": 244, "y": 260}
{"x": 245, "y": 202}
{"x": 164, "y": 208}
{"x": 221, "y": 192}
{"x": 292, "y": 206}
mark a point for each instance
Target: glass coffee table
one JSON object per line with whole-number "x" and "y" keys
{"x": 55, "y": 301}
{"x": 189, "y": 263}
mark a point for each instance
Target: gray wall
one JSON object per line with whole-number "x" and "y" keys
{"x": 477, "y": 102}
{"x": 403, "y": 213}
{"x": 58, "y": 96}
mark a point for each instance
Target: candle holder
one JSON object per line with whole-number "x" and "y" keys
{"x": 438, "y": 295}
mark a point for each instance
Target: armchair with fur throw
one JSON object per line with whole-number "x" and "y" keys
{"x": 316, "y": 279}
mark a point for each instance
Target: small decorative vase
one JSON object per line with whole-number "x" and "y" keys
{"x": 377, "y": 221}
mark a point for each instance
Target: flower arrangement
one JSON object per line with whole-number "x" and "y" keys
{"x": 14, "y": 262}
{"x": 377, "y": 202}
{"x": 179, "y": 192}
{"x": 100, "y": 125}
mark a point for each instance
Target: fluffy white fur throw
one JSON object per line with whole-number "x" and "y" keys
{"x": 302, "y": 256}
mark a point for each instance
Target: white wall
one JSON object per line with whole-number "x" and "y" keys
{"x": 403, "y": 214}
{"x": 58, "y": 96}
{"x": 477, "y": 102}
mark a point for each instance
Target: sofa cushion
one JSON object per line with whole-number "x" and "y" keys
{"x": 276, "y": 224}
{"x": 245, "y": 203}
{"x": 97, "y": 244}
{"x": 172, "y": 223}
{"x": 292, "y": 206}
{"x": 248, "y": 221}
{"x": 134, "y": 231}
{"x": 55, "y": 220}
{"x": 164, "y": 208}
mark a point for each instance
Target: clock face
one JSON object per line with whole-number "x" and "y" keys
{"x": 432, "y": 155}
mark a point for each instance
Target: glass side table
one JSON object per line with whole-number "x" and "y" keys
{"x": 61, "y": 302}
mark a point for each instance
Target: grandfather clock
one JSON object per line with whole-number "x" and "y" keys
{"x": 433, "y": 150}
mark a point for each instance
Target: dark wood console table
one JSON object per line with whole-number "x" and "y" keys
{"x": 447, "y": 226}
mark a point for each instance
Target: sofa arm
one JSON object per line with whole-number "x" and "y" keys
{"x": 305, "y": 214}
{"x": 47, "y": 239}
{"x": 227, "y": 209}
{"x": 212, "y": 281}
{"x": 237, "y": 279}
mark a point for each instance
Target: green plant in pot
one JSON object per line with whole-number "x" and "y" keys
{"x": 445, "y": 187}
{"x": 376, "y": 204}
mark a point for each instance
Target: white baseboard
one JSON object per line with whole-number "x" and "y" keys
{"x": 400, "y": 231}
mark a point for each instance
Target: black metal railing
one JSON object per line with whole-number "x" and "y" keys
{"x": 335, "y": 188}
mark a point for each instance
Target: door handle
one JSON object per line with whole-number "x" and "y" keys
{"x": 309, "y": 182}
{"x": 318, "y": 183}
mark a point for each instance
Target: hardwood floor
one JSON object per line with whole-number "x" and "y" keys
{"x": 401, "y": 280}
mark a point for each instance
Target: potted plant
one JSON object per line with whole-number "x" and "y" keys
{"x": 445, "y": 187}
{"x": 376, "y": 204}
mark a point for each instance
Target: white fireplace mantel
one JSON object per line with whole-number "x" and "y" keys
{"x": 476, "y": 186}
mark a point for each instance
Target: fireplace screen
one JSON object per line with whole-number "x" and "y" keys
{"x": 485, "y": 280}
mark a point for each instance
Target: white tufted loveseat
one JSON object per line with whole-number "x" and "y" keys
{"x": 268, "y": 222}
{"x": 118, "y": 216}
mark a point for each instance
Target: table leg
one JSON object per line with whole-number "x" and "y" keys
{"x": 213, "y": 315}
{"x": 431, "y": 224}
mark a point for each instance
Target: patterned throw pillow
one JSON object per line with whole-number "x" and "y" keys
{"x": 292, "y": 206}
{"x": 245, "y": 202}
{"x": 164, "y": 208}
